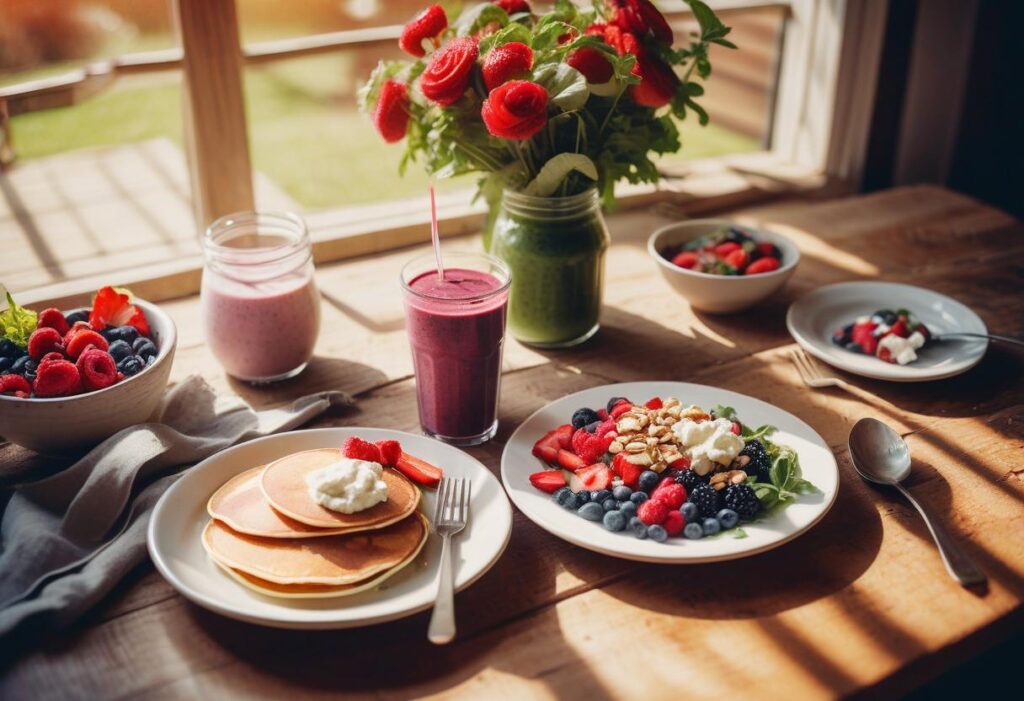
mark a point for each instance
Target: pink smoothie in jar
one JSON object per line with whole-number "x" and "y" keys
{"x": 456, "y": 330}
{"x": 259, "y": 302}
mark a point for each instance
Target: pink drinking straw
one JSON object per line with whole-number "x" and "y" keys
{"x": 435, "y": 235}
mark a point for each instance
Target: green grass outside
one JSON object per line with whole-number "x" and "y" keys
{"x": 306, "y": 135}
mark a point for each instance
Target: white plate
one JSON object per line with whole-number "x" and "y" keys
{"x": 816, "y": 461}
{"x": 812, "y": 319}
{"x": 180, "y": 516}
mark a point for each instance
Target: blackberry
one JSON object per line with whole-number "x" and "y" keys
{"x": 705, "y": 498}
{"x": 688, "y": 478}
{"x": 580, "y": 418}
{"x": 759, "y": 463}
{"x": 741, "y": 499}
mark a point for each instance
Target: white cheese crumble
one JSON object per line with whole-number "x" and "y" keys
{"x": 348, "y": 485}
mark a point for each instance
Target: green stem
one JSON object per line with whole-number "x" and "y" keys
{"x": 611, "y": 110}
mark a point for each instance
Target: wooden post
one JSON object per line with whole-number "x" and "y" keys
{"x": 215, "y": 131}
{"x": 6, "y": 139}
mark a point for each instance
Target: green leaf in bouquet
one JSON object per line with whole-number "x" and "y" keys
{"x": 16, "y": 323}
{"x": 547, "y": 32}
{"x": 506, "y": 35}
{"x": 477, "y": 17}
{"x": 366, "y": 96}
{"x": 566, "y": 86}
{"x": 555, "y": 171}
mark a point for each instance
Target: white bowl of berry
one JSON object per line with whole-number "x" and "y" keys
{"x": 720, "y": 266}
{"x": 70, "y": 379}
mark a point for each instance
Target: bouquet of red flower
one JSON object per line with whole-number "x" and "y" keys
{"x": 552, "y": 103}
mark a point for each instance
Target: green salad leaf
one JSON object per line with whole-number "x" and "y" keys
{"x": 17, "y": 323}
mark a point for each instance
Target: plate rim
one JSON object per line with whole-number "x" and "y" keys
{"x": 236, "y": 613}
{"x": 958, "y": 368}
{"x": 669, "y": 559}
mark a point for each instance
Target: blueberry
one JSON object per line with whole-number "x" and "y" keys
{"x": 5, "y": 364}
{"x": 853, "y": 347}
{"x": 119, "y": 350}
{"x": 649, "y": 480}
{"x": 728, "y": 518}
{"x": 19, "y": 365}
{"x": 129, "y": 334}
{"x": 638, "y": 527}
{"x": 628, "y": 509}
{"x": 583, "y": 496}
{"x": 8, "y": 349}
{"x": 613, "y": 401}
{"x": 30, "y": 370}
{"x": 639, "y": 498}
{"x": 143, "y": 347}
{"x": 842, "y": 336}
{"x": 77, "y": 315}
{"x": 693, "y": 531}
{"x": 710, "y": 526}
{"x": 110, "y": 333}
{"x": 591, "y": 511}
{"x": 582, "y": 417}
{"x": 690, "y": 511}
{"x": 131, "y": 365}
{"x": 610, "y": 504}
{"x": 600, "y": 495}
{"x": 657, "y": 533}
{"x": 614, "y": 521}
{"x": 622, "y": 492}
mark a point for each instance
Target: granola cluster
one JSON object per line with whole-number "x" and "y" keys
{"x": 646, "y": 437}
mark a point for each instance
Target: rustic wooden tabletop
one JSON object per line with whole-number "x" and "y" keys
{"x": 861, "y": 603}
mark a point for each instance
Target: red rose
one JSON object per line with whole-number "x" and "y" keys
{"x": 516, "y": 110}
{"x": 592, "y": 63}
{"x": 512, "y": 60}
{"x": 512, "y": 6}
{"x": 391, "y": 113}
{"x": 658, "y": 82}
{"x": 426, "y": 25}
{"x": 446, "y": 78}
{"x": 641, "y": 17}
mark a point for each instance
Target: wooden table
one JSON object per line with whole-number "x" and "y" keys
{"x": 861, "y": 603}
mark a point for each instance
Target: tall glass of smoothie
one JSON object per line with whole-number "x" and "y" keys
{"x": 456, "y": 328}
{"x": 259, "y": 302}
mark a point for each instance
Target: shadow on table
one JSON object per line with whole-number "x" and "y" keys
{"x": 322, "y": 374}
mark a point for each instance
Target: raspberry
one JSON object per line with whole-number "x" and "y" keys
{"x": 43, "y": 341}
{"x": 96, "y": 368}
{"x": 763, "y": 265}
{"x": 505, "y": 62}
{"x": 670, "y": 494}
{"x": 673, "y": 523}
{"x": 391, "y": 114}
{"x": 52, "y": 318}
{"x": 390, "y": 452}
{"x": 58, "y": 378}
{"x": 589, "y": 446}
{"x": 358, "y": 449}
{"x": 620, "y": 409}
{"x": 651, "y": 512}
{"x": 82, "y": 340}
{"x": 606, "y": 427}
{"x": 15, "y": 385}
{"x": 426, "y": 25}
{"x": 592, "y": 63}
{"x": 654, "y": 403}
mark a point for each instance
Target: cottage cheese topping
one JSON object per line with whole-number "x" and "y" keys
{"x": 348, "y": 486}
{"x": 707, "y": 442}
{"x": 902, "y": 349}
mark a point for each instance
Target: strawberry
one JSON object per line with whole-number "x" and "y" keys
{"x": 358, "y": 449}
{"x": 547, "y": 447}
{"x": 595, "y": 477}
{"x": 52, "y": 318}
{"x": 654, "y": 403}
{"x": 686, "y": 259}
{"x": 620, "y": 409}
{"x": 673, "y": 523}
{"x": 426, "y": 25}
{"x": 13, "y": 385}
{"x": 505, "y": 62}
{"x": 390, "y": 452}
{"x": 923, "y": 330}
{"x": 420, "y": 471}
{"x": 96, "y": 369}
{"x": 738, "y": 259}
{"x": 391, "y": 113}
{"x": 43, "y": 341}
{"x": 886, "y": 355}
{"x": 564, "y": 434}
{"x": 82, "y": 340}
{"x": 724, "y": 249}
{"x": 736, "y": 428}
{"x": 900, "y": 328}
{"x": 626, "y": 471}
{"x": 763, "y": 265}
{"x": 592, "y": 63}
{"x": 75, "y": 328}
{"x": 863, "y": 334}
{"x": 589, "y": 446}
{"x": 57, "y": 378}
{"x": 570, "y": 461}
{"x": 512, "y": 7}
{"x": 765, "y": 249}
{"x": 548, "y": 480}
{"x": 670, "y": 494}
{"x": 680, "y": 463}
{"x": 652, "y": 512}
{"x": 605, "y": 427}
{"x": 114, "y": 308}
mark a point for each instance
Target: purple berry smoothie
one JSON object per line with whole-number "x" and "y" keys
{"x": 456, "y": 329}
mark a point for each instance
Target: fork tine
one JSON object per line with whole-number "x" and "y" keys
{"x": 452, "y": 498}
{"x": 463, "y": 501}
{"x": 469, "y": 495}
{"x": 442, "y": 491}
{"x": 794, "y": 357}
{"x": 815, "y": 366}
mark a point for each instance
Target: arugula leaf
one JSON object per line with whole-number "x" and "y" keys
{"x": 566, "y": 86}
{"x": 16, "y": 323}
{"x": 724, "y": 412}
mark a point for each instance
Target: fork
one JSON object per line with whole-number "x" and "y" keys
{"x": 811, "y": 373}
{"x": 450, "y": 516}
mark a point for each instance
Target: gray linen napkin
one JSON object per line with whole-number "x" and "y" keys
{"x": 65, "y": 541}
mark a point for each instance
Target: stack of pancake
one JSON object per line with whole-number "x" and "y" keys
{"x": 271, "y": 536}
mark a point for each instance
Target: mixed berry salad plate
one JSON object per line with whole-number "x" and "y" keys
{"x": 669, "y": 472}
{"x": 886, "y": 331}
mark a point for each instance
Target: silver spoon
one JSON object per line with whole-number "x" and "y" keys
{"x": 881, "y": 456}
{"x": 959, "y": 336}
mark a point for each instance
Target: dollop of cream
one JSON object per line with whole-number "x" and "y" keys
{"x": 706, "y": 443}
{"x": 348, "y": 486}
{"x": 901, "y": 349}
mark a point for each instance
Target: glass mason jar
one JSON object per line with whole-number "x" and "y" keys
{"x": 554, "y": 247}
{"x": 259, "y": 302}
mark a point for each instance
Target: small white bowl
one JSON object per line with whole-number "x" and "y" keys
{"x": 720, "y": 294}
{"x": 57, "y": 425}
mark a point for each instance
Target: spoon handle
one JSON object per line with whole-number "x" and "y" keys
{"x": 990, "y": 336}
{"x": 958, "y": 563}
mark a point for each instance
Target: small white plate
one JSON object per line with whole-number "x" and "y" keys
{"x": 816, "y": 461}
{"x": 813, "y": 318}
{"x": 180, "y": 515}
